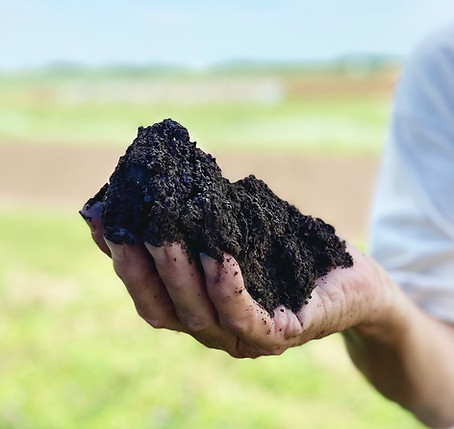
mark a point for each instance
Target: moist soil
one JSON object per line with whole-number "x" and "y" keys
{"x": 165, "y": 189}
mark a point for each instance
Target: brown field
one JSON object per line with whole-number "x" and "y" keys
{"x": 337, "y": 189}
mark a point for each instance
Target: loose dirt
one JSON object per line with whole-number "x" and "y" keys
{"x": 165, "y": 190}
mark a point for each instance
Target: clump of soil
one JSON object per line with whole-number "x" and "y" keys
{"x": 165, "y": 189}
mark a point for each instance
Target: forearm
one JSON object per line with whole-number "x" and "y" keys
{"x": 408, "y": 356}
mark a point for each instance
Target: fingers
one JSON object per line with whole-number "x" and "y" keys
{"x": 184, "y": 285}
{"x": 239, "y": 313}
{"x": 136, "y": 269}
{"x": 170, "y": 292}
{"x": 225, "y": 286}
{"x": 92, "y": 215}
{"x": 186, "y": 288}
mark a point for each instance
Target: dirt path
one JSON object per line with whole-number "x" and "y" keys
{"x": 339, "y": 190}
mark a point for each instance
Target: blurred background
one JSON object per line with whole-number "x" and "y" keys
{"x": 297, "y": 92}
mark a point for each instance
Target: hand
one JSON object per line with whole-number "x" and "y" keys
{"x": 214, "y": 307}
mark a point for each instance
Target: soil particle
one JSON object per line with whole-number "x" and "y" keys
{"x": 165, "y": 189}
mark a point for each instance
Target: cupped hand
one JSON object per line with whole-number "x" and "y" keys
{"x": 212, "y": 305}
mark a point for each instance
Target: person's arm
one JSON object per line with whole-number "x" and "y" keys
{"x": 405, "y": 354}
{"x": 408, "y": 356}
{"x": 412, "y": 237}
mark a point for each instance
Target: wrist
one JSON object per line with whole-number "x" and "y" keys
{"x": 387, "y": 309}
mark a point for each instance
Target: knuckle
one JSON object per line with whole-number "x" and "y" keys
{"x": 156, "y": 324}
{"x": 173, "y": 284}
{"x": 240, "y": 326}
{"x": 126, "y": 273}
{"x": 142, "y": 313}
{"x": 277, "y": 350}
{"x": 221, "y": 294}
{"x": 246, "y": 351}
{"x": 134, "y": 275}
{"x": 152, "y": 321}
{"x": 138, "y": 277}
{"x": 120, "y": 270}
{"x": 235, "y": 354}
{"x": 194, "y": 323}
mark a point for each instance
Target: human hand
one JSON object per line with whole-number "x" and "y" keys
{"x": 213, "y": 306}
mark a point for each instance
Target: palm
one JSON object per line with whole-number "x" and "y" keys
{"x": 214, "y": 307}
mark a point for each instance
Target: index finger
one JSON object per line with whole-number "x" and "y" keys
{"x": 92, "y": 215}
{"x": 236, "y": 309}
{"x": 239, "y": 312}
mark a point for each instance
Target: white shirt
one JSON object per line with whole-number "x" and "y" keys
{"x": 412, "y": 229}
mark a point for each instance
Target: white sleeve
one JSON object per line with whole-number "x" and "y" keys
{"x": 412, "y": 228}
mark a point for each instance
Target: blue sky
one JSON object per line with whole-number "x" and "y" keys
{"x": 201, "y": 32}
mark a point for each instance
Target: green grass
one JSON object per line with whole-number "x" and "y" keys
{"x": 344, "y": 125}
{"x": 73, "y": 352}
{"x": 75, "y": 355}
{"x": 64, "y": 109}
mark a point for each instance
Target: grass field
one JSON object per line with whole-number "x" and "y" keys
{"x": 281, "y": 110}
{"x": 73, "y": 352}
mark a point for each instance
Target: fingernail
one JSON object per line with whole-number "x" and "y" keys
{"x": 118, "y": 234}
{"x": 90, "y": 211}
{"x": 159, "y": 254}
{"x": 205, "y": 259}
{"x": 210, "y": 267}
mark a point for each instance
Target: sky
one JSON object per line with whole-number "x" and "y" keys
{"x": 200, "y": 33}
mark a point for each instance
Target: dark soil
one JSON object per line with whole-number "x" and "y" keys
{"x": 165, "y": 189}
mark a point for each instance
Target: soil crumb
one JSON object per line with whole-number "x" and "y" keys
{"x": 165, "y": 190}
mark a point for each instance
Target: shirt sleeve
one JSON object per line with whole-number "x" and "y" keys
{"x": 412, "y": 223}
